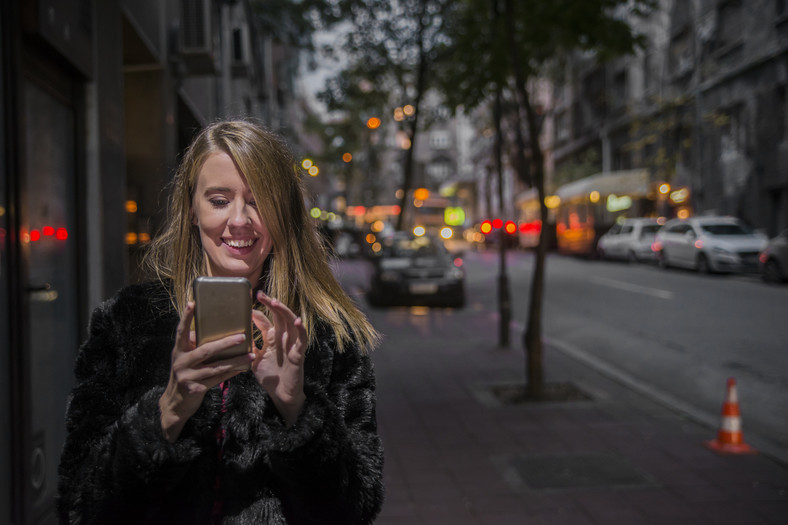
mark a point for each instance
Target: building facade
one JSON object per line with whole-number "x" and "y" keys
{"x": 98, "y": 99}
{"x": 702, "y": 106}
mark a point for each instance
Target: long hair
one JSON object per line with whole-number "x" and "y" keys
{"x": 297, "y": 270}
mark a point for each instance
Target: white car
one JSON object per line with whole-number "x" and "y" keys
{"x": 630, "y": 240}
{"x": 710, "y": 244}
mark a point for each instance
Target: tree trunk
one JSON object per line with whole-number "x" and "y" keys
{"x": 532, "y": 339}
{"x": 504, "y": 303}
{"x": 421, "y": 83}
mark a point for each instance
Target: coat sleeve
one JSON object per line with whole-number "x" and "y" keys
{"x": 329, "y": 464}
{"x": 115, "y": 455}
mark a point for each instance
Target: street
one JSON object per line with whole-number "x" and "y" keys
{"x": 652, "y": 347}
{"x": 675, "y": 333}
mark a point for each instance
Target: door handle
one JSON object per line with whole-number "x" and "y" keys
{"x": 42, "y": 293}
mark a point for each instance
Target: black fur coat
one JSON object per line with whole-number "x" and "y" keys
{"x": 117, "y": 467}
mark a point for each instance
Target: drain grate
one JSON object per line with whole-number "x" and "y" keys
{"x": 573, "y": 471}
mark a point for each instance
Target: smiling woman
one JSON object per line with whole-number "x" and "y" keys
{"x": 233, "y": 235}
{"x": 163, "y": 430}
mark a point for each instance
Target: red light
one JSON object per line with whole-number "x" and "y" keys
{"x": 511, "y": 227}
{"x": 35, "y": 235}
{"x": 497, "y": 223}
{"x": 458, "y": 262}
{"x": 486, "y": 227}
{"x": 61, "y": 234}
{"x": 48, "y": 230}
{"x": 533, "y": 227}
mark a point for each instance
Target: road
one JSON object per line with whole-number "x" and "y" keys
{"x": 674, "y": 335}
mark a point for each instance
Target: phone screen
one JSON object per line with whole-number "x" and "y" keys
{"x": 222, "y": 307}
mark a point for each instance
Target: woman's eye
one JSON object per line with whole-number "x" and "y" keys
{"x": 253, "y": 203}
{"x": 219, "y": 203}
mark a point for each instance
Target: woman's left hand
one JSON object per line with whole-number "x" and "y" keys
{"x": 279, "y": 363}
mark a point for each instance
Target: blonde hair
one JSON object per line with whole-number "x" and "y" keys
{"x": 298, "y": 271}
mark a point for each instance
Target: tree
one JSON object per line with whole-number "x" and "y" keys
{"x": 389, "y": 48}
{"x": 536, "y": 35}
{"x": 474, "y": 73}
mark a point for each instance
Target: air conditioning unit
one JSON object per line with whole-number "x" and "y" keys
{"x": 197, "y": 37}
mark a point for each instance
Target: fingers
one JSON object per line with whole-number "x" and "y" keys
{"x": 261, "y": 321}
{"x": 282, "y": 316}
{"x": 182, "y": 334}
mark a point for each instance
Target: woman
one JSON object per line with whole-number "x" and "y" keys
{"x": 156, "y": 435}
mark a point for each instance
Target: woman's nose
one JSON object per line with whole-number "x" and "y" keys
{"x": 240, "y": 214}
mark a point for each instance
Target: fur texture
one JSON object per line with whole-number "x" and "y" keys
{"x": 117, "y": 467}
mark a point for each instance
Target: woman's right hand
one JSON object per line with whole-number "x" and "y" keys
{"x": 191, "y": 377}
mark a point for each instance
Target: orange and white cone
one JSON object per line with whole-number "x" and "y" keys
{"x": 730, "y": 439}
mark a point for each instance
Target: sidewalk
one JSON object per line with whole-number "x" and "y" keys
{"x": 456, "y": 455}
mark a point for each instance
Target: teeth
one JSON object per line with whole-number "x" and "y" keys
{"x": 239, "y": 244}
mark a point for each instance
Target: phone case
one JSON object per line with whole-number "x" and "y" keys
{"x": 222, "y": 307}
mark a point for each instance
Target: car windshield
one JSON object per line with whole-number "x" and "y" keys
{"x": 409, "y": 247}
{"x": 726, "y": 228}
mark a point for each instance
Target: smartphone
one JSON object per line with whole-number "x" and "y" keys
{"x": 222, "y": 307}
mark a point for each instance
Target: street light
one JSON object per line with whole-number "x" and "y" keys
{"x": 373, "y": 123}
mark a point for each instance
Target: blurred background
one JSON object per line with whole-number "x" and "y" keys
{"x": 487, "y": 126}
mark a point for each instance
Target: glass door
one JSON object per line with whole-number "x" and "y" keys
{"x": 49, "y": 249}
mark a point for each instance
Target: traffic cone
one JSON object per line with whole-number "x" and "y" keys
{"x": 730, "y": 439}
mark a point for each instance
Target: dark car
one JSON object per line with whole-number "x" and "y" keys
{"x": 774, "y": 259}
{"x": 416, "y": 271}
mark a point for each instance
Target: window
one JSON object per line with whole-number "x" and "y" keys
{"x": 439, "y": 139}
{"x": 733, "y": 139}
{"x": 562, "y": 126}
{"x": 620, "y": 88}
{"x": 729, "y": 23}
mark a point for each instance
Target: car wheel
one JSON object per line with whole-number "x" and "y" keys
{"x": 631, "y": 257}
{"x": 662, "y": 261}
{"x": 702, "y": 264}
{"x": 772, "y": 273}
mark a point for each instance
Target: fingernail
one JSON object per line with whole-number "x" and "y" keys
{"x": 240, "y": 338}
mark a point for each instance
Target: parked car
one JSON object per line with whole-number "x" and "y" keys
{"x": 710, "y": 244}
{"x": 631, "y": 240}
{"x": 416, "y": 271}
{"x": 773, "y": 259}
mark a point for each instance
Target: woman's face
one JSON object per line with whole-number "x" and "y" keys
{"x": 234, "y": 239}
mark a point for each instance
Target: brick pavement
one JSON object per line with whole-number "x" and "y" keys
{"x": 456, "y": 455}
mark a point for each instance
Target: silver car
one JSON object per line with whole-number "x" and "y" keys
{"x": 710, "y": 244}
{"x": 631, "y": 240}
{"x": 774, "y": 259}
